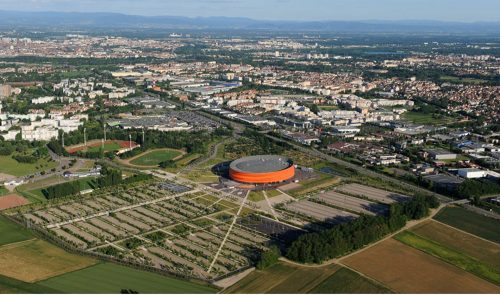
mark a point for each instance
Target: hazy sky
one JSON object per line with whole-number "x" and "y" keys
{"x": 447, "y": 10}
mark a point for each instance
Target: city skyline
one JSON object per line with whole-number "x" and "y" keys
{"x": 342, "y": 10}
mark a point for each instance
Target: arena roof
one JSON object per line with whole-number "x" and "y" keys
{"x": 261, "y": 164}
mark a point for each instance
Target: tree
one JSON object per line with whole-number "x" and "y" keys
{"x": 268, "y": 257}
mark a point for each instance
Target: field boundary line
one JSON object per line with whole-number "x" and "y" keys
{"x": 17, "y": 243}
{"x": 467, "y": 233}
{"x": 365, "y": 276}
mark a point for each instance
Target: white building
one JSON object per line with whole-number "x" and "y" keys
{"x": 471, "y": 173}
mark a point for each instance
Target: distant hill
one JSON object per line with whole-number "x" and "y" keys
{"x": 117, "y": 20}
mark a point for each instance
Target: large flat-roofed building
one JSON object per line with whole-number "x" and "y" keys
{"x": 262, "y": 169}
{"x": 471, "y": 173}
{"x": 441, "y": 154}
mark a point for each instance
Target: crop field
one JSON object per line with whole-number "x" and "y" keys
{"x": 164, "y": 225}
{"x": 13, "y": 286}
{"x": 283, "y": 278}
{"x": 346, "y": 281}
{"x": 471, "y": 222}
{"x": 479, "y": 249}
{"x": 371, "y": 193}
{"x": 286, "y": 278}
{"x": 400, "y": 267}
{"x": 11, "y": 232}
{"x": 35, "y": 260}
{"x": 112, "y": 278}
{"x": 153, "y": 158}
{"x": 451, "y": 256}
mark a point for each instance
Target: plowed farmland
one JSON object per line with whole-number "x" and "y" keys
{"x": 407, "y": 270}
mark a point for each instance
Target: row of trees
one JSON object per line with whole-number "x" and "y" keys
{"x": 62, "y": 190}
{"x": 319, "y": 246}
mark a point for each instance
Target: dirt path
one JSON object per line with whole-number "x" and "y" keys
{"x": 408, "y": 225}
{"x": 228, "y": 232}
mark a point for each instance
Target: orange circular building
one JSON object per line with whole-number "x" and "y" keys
{"x": 262, "y": 169}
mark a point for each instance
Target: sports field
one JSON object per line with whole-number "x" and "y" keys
{"x": 153, "y": 158}
{"x": 407, "y": 270}
{"x": 479, "y": 249}
{"x": 96, "y": 145}
{"x": 112, "y": 278}
{"x": 471, "y": 222}
{"x": 107, "y": 147}
{"x": 11, "y": 232}
{"x": 35, "y": 260}
{"x": 453, "y": 257}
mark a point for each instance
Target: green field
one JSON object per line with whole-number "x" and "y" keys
{"x": 347, "y": 281}
{"x": 3, "y": 190}
{"x": 456, "y": 80}
{"x": 37, "y": 195}
{"x": 256, "y": 196}
{"x": 13, "y": 286}
{"x": 285, "y": 278}
{"x": 480, "y": 249}
{"x": 112, "y": 278}
{"x": 10, "y": 166}
{"x": 471, "y": 222}
{"x": 154, "y": 158}
{"x": 427, "y": 119}
{"x": 11, "y": 232}
{"x": 458, "y": 259}
{"x": 108, "y": 147}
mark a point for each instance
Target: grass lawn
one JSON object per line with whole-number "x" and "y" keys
{"x": 345, "y": 281}
{"x": 476, "y": 224}
{"x": 255, "y": 196}
{"x": 154, "y": 158}
{"x": 458, "y": 259}
{"x": 310, "y": 185}
{"x": 421, "y": 118}
{"x": 273, "y": 193}
{"x": 11, "y": 232}
{"x": 112, "y": 278}
{"x": 187, "y": 159}
{"x": 3, "y": 190}
{"x": 10, "y": 166}
{"x": 36, "y": 195}
{"x": 328, "y": 107}
{"x": 453, "y": 79}
{"x": 35, "y": 260}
